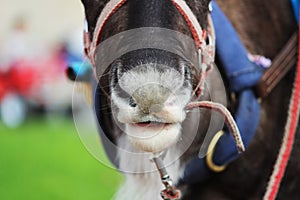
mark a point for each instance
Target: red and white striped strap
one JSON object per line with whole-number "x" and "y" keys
{"x": 287, "y": 141}
{"x": 191, "y": 20}
{"x": 199, "y": 36}
{"x": 110, "y": 8}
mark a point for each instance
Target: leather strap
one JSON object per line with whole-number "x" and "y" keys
{"x": 110, "y": 8}
{"x": 282, "y": 64}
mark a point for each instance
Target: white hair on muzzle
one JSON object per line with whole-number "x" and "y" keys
{"x": 160, "y": 95}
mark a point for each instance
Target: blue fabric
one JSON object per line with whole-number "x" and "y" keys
{"x": 195, "y": 171}
{"x": 82, "y": 70}
{"x": 295, "y": 4}
{"x": 240, "y": 71}
{"x": 247, "y": 119}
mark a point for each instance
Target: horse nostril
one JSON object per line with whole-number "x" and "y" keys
{"x": 132, "y": 102}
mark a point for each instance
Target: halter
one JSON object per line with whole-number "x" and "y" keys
{"x": 206, "y": 55}
{"x": 206, "y": 51}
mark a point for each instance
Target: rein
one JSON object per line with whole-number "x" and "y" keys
{"x": 206, "y": 56}
{"x": 281, "y": 65}
{"x": 287, "y": 141}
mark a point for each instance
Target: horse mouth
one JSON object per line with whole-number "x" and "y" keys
{"x": 153, "y": 135}
{"x": 152, "y": 124}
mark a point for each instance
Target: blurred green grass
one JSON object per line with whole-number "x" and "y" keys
{"x": 46, "y": 160}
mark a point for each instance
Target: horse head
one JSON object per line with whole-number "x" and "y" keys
{"x": 147, "y": 73}
{"x": 145, "y": 82}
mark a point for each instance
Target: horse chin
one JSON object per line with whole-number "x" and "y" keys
{"x": 153, "y": 137}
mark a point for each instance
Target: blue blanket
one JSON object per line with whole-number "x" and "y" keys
{"x": 240, "y": 71}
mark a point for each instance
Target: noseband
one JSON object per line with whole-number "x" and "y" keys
{"x": 206, "y": 51}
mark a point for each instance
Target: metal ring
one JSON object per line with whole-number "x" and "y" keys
{"x": 209, "y": 157}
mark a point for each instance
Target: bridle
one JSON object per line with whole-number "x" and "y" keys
{"x": 206, "y": 52}
{"x": 206, "y": 56}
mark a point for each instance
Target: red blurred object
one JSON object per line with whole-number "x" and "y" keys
{"x": 27, "y": 77}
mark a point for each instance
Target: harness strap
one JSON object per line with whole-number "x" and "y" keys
{"x": 110, "y": 8}
{"x": 191, "y": 20}
{"x": 287, "y": 141}
{"x": 281, "y": 65}
{"x": 231, "y": 124}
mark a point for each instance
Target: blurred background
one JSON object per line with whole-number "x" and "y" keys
{"x": 41, "y": 154}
